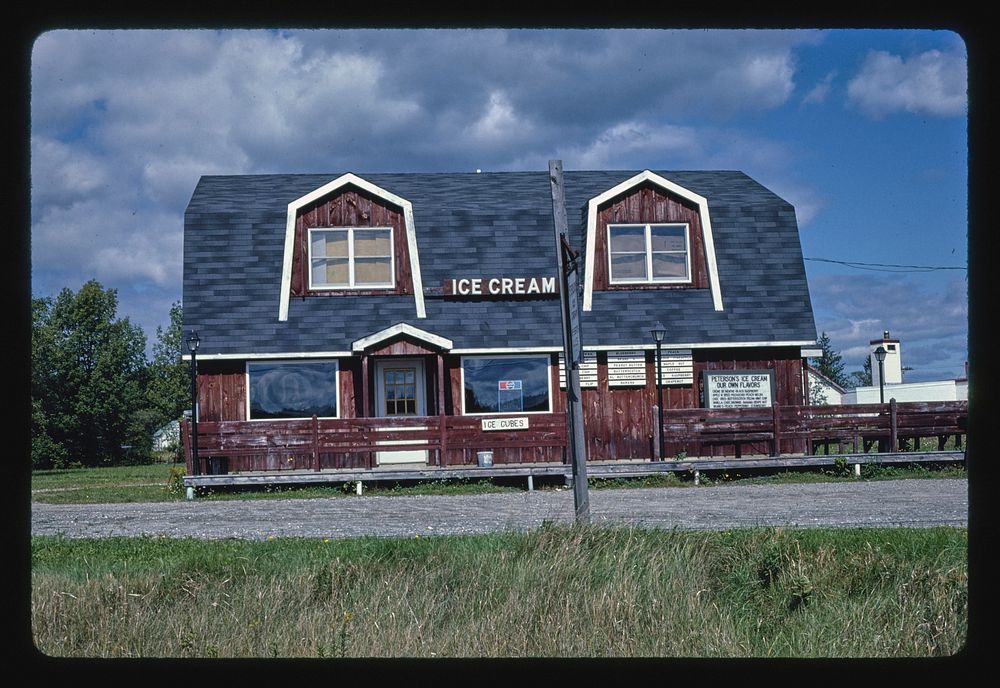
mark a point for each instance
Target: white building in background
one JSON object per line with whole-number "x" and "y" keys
{"x": 167, "y": 436}
{"x": 823, "y": 390}
{"x": 892, "y": 371}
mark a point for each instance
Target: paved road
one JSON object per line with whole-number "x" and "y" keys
{"x": 901, "y": 503}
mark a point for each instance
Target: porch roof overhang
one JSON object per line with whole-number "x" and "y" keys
{"x": 402, "y": 330}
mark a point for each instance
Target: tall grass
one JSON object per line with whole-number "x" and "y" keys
{"x": 557, "y": 591}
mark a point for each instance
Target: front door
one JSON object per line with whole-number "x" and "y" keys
{"x": 400, "y": 390}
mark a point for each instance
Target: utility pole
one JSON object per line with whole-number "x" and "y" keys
{"x": 572, "y": 343}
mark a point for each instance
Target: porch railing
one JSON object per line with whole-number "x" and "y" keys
{"x": 800, "y": 429}
{"x": 319, "y": 444}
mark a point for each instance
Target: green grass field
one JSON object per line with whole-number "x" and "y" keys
{"x": 554, "y": 592}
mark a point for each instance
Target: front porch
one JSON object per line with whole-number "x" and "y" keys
{"x": 319, "y": 451}
{"x": 530, "y": 471}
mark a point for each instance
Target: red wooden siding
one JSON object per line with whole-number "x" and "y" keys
{"x": 649, "y": 203}
{"x": 401, "y": 347}
{"x": 350, "y": 208}
{"x": 222, "y": 390}
{"x": 619, "y": 420}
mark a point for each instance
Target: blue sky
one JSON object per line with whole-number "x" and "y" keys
{"x": 863, "y": 131}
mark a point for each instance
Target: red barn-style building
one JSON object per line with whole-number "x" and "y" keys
{"x": 429, "y": 303}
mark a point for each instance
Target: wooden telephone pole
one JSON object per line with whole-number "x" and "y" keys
{"x": 572, "y": 342}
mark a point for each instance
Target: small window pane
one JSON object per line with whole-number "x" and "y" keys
{"x": 628, "y": 239}
{"x": 372, "y": 242}
{"x": 628, "y": 266}
{"x": 330, "y": 272}
{"x": 372, "y": 271}
{"x": 668, "y": 238}
{"x": 331, "y": 243}
{"x": 669, "y": 265}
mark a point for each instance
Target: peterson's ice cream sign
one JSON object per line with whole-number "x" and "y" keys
{"x": 499, "y": 286}
{"x": 738, "y": 388}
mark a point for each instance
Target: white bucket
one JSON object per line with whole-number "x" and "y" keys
{"x": 485, "y": 459}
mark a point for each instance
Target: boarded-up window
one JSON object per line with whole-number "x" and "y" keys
{"x": 350, "y": 257}
{"x": 648, "y": 253}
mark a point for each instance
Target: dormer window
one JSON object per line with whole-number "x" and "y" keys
{"x": 351, "y": 258}
{"x": 649, "y": 253}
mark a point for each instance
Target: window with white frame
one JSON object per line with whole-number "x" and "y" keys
{"x": 657, "y": 253}
{"x": 292, "y": 389}
{"x": 506, "y": 384}
{"x": 350, "y": 258}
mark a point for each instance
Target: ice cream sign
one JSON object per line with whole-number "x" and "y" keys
{"x": 738, "y": 388}
{"x": 499, "y": 286}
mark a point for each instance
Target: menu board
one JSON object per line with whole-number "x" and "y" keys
{"x": 627, "y": 368}
{"x": 588, "y": 370}
{"x": 676, "y": 367}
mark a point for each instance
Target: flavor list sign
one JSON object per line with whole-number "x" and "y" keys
{"x": 588, "y": 370}
{"x": 627, "y": 368}
{"x": 738, "y": 388}
{"x": 676, "y": 367}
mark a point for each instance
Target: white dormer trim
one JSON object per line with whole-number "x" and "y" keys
{"x": 401, "y": 329}
{"x": 325, "y": 190}
{"x": 666, "y": 184}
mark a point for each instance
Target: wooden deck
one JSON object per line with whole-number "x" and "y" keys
{"x": 323, "y": 451}
{"x": 611, "y": 469}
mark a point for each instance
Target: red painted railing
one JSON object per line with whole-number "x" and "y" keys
{"x": 319, "y": 444}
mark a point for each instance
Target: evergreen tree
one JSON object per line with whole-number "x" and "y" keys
{"x": 830, "y": 363}
{"x": 863, "y": 378}
{"x": 87, "y": 375}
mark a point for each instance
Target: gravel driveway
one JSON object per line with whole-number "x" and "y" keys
{"x": 900, "y": 503}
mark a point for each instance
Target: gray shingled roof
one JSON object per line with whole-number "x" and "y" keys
{"x": 489, "y": 224}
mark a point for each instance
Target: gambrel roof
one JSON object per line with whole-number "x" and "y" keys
{"x": 487, "y": 224}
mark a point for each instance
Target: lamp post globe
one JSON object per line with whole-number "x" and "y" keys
{"x": 880, "y": 353}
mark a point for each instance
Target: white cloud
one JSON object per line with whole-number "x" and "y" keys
{"x": 929, "y": 318}
{"x": 820, "y": 91}
{"x": 64, "y": 174}
{"x": 625, "y": 144}
{"x": 931, "y": 83}
{"x": 499, "y": 124}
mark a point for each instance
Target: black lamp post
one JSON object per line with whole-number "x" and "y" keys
{"x": 880, "y": 357}
{"x": 193, "y": 342}
{"x": 659, "y": 332}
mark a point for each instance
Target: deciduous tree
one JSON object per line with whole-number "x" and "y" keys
{"x": 87, "y": 381}
{"x": 168, "y": 389}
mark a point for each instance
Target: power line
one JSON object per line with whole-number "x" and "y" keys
{"x": 887, "y": 267}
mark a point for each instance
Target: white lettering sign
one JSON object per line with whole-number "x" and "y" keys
{"x": 626, "y": 368}
{"x": 492, "y": 424}
{"x": 588, "y": 370}
{"x": 500, "y": 286}
{"x": 737, "y": 389}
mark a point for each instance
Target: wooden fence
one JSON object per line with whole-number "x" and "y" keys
{"x": 800, "y": 429}
{"x": 320, "y": 444}
{"x": 455, "y": 440}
